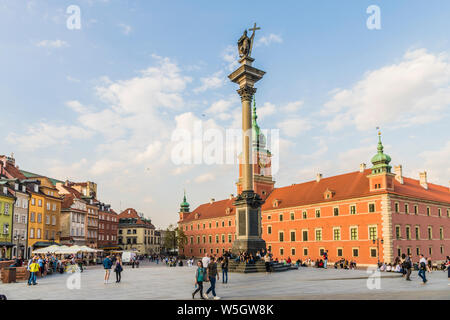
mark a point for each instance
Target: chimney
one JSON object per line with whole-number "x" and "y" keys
{"x": 231, "y": 196}
{"x": 398, "y": 173}
{"x": 362, "y": 167}
{"x": 318, "y": 177}
{"x": 212, "y": 200}
{"x": 423, "y": 179}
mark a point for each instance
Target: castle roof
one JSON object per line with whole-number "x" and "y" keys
{"x": 345, "y": 186}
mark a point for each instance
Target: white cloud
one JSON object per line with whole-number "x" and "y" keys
{"x": 152, "y": 150}
{"x": 45, "y": 135}
{"x": 266, "y": 110}
{"x": 181, "y": 169}
{"x": 414, "y": 91}
{"x": 268, "y": 40}
{"x": 293, "y": 127}
{"x": 220, "y": 109}
{"x": 292, "y": 106}
{"x": 126, "y": 29}
{"x": 436, "y": 163}
{"x": 77, "y": 106}
{"x": 205, "y": 178}
{"x": 105, "y": 165}
{"x": 52, "y": 44}
{"x": 212, "y": 82}
{"x": 231, "y": 56}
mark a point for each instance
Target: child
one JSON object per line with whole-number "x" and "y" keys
{"x": 34, "y": 268}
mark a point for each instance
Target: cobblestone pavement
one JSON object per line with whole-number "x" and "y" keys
{"x": 152, "y": 281}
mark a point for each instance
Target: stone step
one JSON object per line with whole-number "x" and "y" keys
{"x": 259, "y": 266}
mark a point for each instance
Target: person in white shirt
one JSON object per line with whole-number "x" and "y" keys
{"x": 206, "y": 260}
{"x": 388, "y": 268}
{"x": 383, "y": 267}
{"x": 422, "y": 268}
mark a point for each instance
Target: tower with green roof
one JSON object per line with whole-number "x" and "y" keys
{"x": 184, "y": 206}
{"x": 381, "y": 177}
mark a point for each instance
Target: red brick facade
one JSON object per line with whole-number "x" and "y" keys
{"x": 108, "y": 223}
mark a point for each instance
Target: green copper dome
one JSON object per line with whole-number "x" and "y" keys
{"x": 184, "y": 206}
{"x": 381, "y": 160}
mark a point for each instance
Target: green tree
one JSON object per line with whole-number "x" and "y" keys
{"x": 174, "y": 238}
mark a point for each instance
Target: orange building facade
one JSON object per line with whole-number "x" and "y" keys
{"x": 369, "y": 215}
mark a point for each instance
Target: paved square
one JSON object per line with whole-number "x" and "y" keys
{"x": 152, "y": 281}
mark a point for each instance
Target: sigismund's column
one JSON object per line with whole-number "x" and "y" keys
{"x": 248, "y": 203}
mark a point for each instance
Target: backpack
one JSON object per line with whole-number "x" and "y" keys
{"x": 423, "y": 266}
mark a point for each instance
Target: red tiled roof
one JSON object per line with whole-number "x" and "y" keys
{"x": 129, "y": 213}
{"x": 67, "y": 201}
{"x": 412, "y": 188}
{"x": 132, "y": 213}
{"x": 211, "y": 210}
{"x": 73, "y": 192}
{"x": 344, "y": 186}
{"x": 13, "y": 171}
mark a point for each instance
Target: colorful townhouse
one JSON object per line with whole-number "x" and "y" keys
{"x": 137, "y": 233}
{"x": 20, "y": 220}
{"x": 73, "y": 216}
{"x": 89, "y": 195}
{"x": 7, "y": 201}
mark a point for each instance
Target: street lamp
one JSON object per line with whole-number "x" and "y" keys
{"x": 378, "y": 241}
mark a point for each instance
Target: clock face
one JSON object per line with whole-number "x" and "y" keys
{"x": 263, "y": 162}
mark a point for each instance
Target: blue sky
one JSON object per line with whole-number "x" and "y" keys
{"x": 100, "y": 103}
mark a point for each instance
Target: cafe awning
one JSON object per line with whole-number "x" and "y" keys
{"x": 6, "y": 244}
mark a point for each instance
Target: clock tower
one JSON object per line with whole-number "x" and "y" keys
{"x": 263, "y": 183}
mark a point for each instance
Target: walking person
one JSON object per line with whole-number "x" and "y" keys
{"x": 118, "y": 269}
{"x": 325, "y": 259}
{"x": 200, "y": 276}
{"x": 34, "y": 269}
{"x": 107, "y": 264}
{"x": 408, "y": 266}
{"x": 225, "y": 270}
{"x": 423, "y": 268}
{"x": 206, "y": 260}
{"x": 267, "y": 263}
{"x": 212, "y": 274}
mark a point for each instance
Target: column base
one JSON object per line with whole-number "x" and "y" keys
{"x": 251, "y": 246}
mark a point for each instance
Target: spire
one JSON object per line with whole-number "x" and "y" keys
{"x": 254, "y": 116}
{"x": 381, "y": 160}
{"x": 259, "y": 140}
{"x": 184, "y": 206}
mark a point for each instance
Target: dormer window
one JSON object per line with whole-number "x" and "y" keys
{"x": 328, "y": 194}
{"x": 16, "y": 186}
{"x": 36, "y": 188}
{"x": 276, "y": 203}
{"x": 196, "y": 216}
{"x": 227, "y": 211}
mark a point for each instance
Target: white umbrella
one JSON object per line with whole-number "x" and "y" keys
{"x": 68, "y": 250}
{"x": 87, "y": 249}
{"x": 49, "y": 249}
